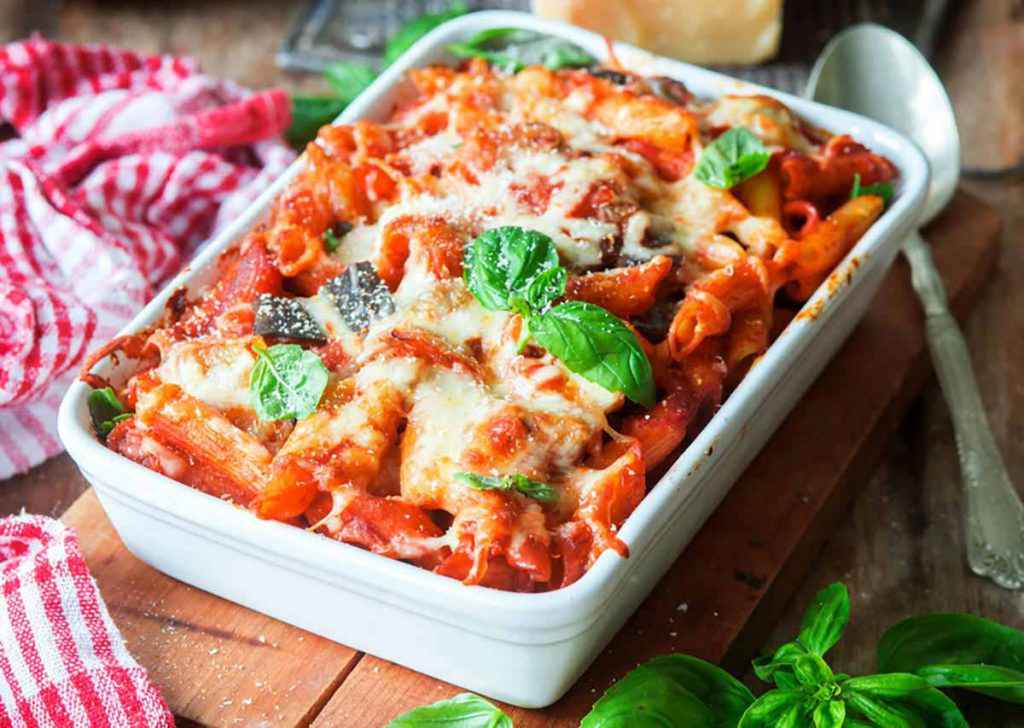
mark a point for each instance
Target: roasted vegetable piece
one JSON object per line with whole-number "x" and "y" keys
{"x": 287, "y": 317}
{"x": 360, "y": 296}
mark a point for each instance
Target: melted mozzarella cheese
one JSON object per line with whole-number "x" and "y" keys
{"x": 215, "y": 372}
{"x": 768, "y": 118}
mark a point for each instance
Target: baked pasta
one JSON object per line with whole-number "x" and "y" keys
{"x": 464, "y": 337}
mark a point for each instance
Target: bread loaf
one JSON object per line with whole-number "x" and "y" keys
{"x": 698, "y": 31}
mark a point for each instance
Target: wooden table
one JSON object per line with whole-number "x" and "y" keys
{"x": 900, "y": 550}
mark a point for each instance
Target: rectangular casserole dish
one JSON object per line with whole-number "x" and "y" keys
{"x": 525, "y": 649}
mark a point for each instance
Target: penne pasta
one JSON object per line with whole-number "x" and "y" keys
{"x": 484, "y": 321}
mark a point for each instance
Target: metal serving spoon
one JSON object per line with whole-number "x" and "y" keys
{"x": 876, "y": 72}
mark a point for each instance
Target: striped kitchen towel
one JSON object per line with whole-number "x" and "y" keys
{"x": 118, "y": 167}
{"x": 62, "y": 661}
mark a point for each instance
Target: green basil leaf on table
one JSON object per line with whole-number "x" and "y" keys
{"x": 785, "y": 679}
{"x": 996, "y": 682}
{"x": 825, "y": 620}
{"x": 349, "y": 79}
{"x": 777, "y": 709}
{"x": 105, "y": 410}
{"x": 882, "y": 189}
{"x": 811, "y": 670}
{"x": 900, "y": 699}
{"x": 309, "y": 113}
{"x": 829, "y": 714}
{"x": 415, "y": 29}
{"x": 502, "y": 264}
{"x": 772, "y": 667}
{"x": 957, "y": 640}
{"x": 512, "y": 49}
{"x": 723, "y": 694}
{"x": 595, "y": 344}
{"x": 462, "y": 711}
{"x": 650, "y": 698}
{"x": 520, "y": 483}
{"x": 287, "y": 382}
{"x": 735, "y": 156}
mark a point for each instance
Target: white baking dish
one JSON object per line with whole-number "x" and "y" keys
{"x": 526, "y": 649}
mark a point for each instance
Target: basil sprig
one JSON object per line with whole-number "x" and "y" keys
{"x": 735, "y": 156}
{"x": 349, "y": 79}
{"x": 513, "y": 269}
{"x": 917, "y": 655}
{"x": 808, "y": 692}
{"x": 105, "y": 410}
{"x": 462, "y": 711}
{"x": 418, "y": 27}
{"x": 309, "y": 113}
{"x": 520, "y": 483}
{"x": 287, "y": 382}
{"x": 882, "y": 189}
{"x": 512, "y": 49}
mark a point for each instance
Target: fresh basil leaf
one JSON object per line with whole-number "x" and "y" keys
{"x": 512, "y": 49}
{"x": 530, "y": 488}
{"x": 776, "y": 709}
{"x": 949, "y": 639}
{"x": 286, "y": 382}
{"x": 349, "y": 79}
{"x": 334, "y": 234}
{"x": 723, "y": 694}
{"x": 415, "y": 29}
{"x": 735, "y": 156}
{"x": 595, "y": 344}
{"x": 997, "y": 682}
{"x": 825, "y": 620}
{"x": 896, "y": 697}
{"x": 879, "y": 712}
{"x": 309, "y": 113}
{"x": 546, "y": 288}
{"x": 462, "y": 711}
{"x": 956, "y": 639}
{"x": 105, "y": 410}
{"x": 785, "y": 679}
{"x": 830, "y": 714}
{"x": 648, "y": 698}
{"x": 882, "y": 189}
{"x": 501, "y": 266}
{"x": 331, "y": 241}
{"x": 768, "y": 667}
{"x": 811, "y": 670}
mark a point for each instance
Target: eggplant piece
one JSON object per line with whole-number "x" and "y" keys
{"x": 670, "y": 90}
{"x": 609, "y": 74}
{"x": 359, "y": 295}
{"x": 285, "y": 317}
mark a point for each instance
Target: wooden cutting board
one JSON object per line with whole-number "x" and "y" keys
{"x": 219, "y": 664}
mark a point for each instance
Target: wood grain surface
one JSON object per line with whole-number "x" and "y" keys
{"x": 216, "y": 663}
{"x": 219, "y": 664}
{"x": 898, "y": 545}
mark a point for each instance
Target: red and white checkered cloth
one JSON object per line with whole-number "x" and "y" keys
{"x": 123, "y": 164}
{"x": 62, "y": 660}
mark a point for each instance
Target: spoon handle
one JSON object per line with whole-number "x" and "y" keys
{"x": 995, "y": 515}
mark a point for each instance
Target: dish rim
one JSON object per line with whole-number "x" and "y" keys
{"x": 567, "y": 610}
